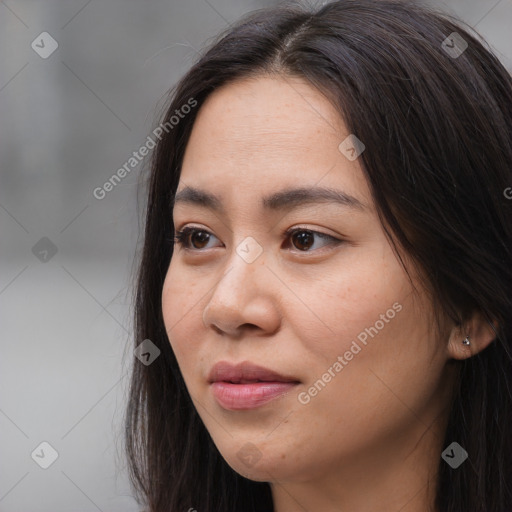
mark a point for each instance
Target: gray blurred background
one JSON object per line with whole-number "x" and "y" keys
{"x": 82, "y": 83}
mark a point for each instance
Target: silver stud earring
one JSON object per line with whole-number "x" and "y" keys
{"x": 466, "y": 341}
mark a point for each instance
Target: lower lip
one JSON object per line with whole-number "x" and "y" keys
{"x": 248, "y": 396}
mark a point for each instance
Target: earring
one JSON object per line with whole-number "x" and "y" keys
{"x": 466, "y": 341}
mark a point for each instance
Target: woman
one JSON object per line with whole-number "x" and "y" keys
{"x": 327, "y": 271}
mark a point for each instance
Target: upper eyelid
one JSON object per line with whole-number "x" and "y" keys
{"x": 286, "y": 233}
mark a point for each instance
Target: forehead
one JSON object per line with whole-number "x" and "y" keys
{"x": 255, "y": 136}
{"x": 268, "y": 111}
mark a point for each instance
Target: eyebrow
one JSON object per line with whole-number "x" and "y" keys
{"x": 284, "y": 200}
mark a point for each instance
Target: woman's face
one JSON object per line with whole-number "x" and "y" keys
{"x": 330, "y": 307}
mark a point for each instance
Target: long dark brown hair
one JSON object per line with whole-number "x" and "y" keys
{"x": 438, "y": 134}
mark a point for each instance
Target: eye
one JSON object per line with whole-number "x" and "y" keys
{"x": 304, "y": 238}
{"x": 195, "y": 239}
{"x": 183, "y": 237}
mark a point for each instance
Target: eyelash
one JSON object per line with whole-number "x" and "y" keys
{"x": 181, "y": 237}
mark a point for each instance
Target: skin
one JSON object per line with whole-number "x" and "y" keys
{"x": 371, "y": 439}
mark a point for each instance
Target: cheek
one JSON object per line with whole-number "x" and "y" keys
{"x": 373, "y": 334}
{"x": 385, "y": 359}
{"x": 358, "y": 299}
{"x": 180, "y": 301}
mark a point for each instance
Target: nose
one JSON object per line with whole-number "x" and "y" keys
{"x": 245, "y": 298}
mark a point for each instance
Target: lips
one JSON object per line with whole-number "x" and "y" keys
{"x": 245, "y": 373}
{"x": 246, "y": 385}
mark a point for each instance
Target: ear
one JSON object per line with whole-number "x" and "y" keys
{"x": 481, "y": 334}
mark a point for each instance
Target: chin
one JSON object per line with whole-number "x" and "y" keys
{"x": 249, "y": 462}
{"x": 254, "y": 475}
